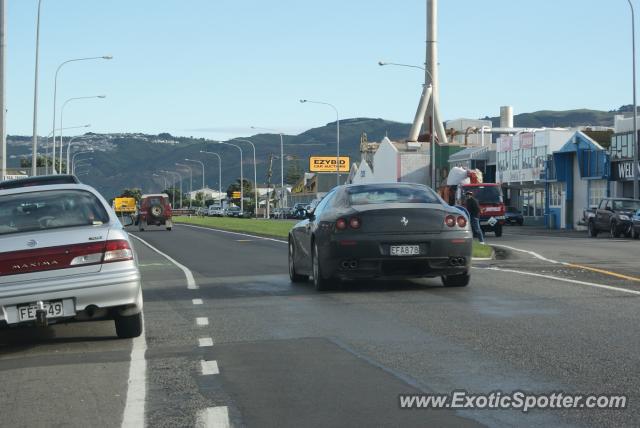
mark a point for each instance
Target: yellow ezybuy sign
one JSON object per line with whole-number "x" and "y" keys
{"x": 328, "y": 164}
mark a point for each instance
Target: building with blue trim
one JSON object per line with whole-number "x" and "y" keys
{"x": 577, "y": 178}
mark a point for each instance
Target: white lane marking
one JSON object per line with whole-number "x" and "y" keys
{"x": 533, "y": 253}
{"x": 191, "y": 282}
{"x": 235, "y": 233}
{"x": 137, "y": 384}
{"x": 209, "y": 367}
{"x": 572, "y": 281}
{"x": 205, "y": 342}
{"x": 197, "y": 301}
{"x": 202, "y": 321}
{"x": 213, "y": 417}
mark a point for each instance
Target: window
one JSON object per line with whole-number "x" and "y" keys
{"x": 597, "y": 191}
{"x": 555, "y": 194}
{"x": 539, "y": 210}
{"x": 377, "y": 194}
{"x": 31, "y": 211}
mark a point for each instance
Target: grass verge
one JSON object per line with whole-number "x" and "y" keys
{"x": 273, "y": 228}
{"x": 481, "y": 251}
{"x": 278, "y": 228}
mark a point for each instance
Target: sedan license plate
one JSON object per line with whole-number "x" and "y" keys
{"x": 405, "y": 250}
{"x": 54, "y": 309}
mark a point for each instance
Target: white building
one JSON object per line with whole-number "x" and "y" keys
{"x": 395, "y": 162}
{"x": 468, "y": 132}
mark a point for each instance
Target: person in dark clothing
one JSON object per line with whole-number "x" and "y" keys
{"x": 473, "y": 207}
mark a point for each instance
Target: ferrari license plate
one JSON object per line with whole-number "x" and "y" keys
{"x": 53, "y": 309}
{"x": 405, "y": 250}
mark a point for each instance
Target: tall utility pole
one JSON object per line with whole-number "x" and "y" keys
{"x": 635, "y": 106}
{"x": 34, "y": 157}
{"x": 3, "y": 113}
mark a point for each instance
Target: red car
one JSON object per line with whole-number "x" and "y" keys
{"x": 155, "y": 210}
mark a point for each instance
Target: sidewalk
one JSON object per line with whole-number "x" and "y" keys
{"x": 543, "y": 231}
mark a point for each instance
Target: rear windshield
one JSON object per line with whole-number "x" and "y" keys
{"x": 52, "y": 209}
{"x": 626, "y": 205}
{"x": 376, "y": 194}
{"x": 156, "y": 200}
{"x": 486, "y": 194}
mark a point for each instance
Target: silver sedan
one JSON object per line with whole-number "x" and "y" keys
{"x": 64, "y": 256}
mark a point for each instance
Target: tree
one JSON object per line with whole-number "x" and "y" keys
{"x": 294, "y": 172}
{"x": 199, "y": 199}
{"x": 132, "y": 193}
{"x": 247, "y": 188}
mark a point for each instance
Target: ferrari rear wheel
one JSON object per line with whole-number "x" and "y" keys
{"x": 292, "y": 266}
{"x": 319, "y": 282}
{"x": 461, "y": 280}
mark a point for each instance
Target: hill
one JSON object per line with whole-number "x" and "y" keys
{"x": 130, "y": 160}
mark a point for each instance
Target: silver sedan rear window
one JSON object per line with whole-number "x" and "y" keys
{"x": 50, "y": 209}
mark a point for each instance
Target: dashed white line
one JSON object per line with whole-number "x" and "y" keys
{"x": 202, "y": 321}
{"x": 213, "y": 417}
{"x": 137, "y": 390}
{"x": 205, "y": 342}
{"x": 191, "y": 282}
{"x": 197, "y": 301}
{"x": 209, "y": 367}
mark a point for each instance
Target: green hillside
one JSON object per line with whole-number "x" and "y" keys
{"x": 132, "y": 159}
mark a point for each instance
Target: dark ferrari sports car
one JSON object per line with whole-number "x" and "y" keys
{"x": 394, "y": 230}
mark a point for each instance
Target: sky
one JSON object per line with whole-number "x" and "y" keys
{"x": 214, "y": 68}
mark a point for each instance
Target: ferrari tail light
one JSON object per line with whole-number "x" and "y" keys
{"x": 462, "y": 221}
{"x": 450, "y": 220}
{"x": 354, "y": 223}
{"x": 117, "y": 251}
{"x": 341, "y": 224}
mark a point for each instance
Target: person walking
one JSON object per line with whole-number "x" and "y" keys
{"x": 473, "y": 207}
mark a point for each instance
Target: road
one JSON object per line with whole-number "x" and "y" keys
{"x": 244, "y": 346}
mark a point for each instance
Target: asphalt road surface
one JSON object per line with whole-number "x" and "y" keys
{"x": 239, "y": 345}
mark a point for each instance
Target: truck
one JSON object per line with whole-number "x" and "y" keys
{"x": 613, "y": 215}
{"x": 124, "y": 206}
{"x": 488, "y": 195}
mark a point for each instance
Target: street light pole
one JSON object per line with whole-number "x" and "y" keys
{"x": 190, "y": 180}
{"x": 635, "y": 106}
{"x": 164, "y": 178}
{"x": 173, "y": 190}
{"x": 34, "y": 144}
{"x": 255, "y": 174}
{"x": 69, "y": 151}
{"x": 337, "y": 134}
{"x": 73, "y": 159}
{"x": 241, "y": 174}
{"x": 46, "y": 163}
{"x": 61, "y": 117}
{"x": 55, "y": 88}
{"x": 433, "y": 115}
{"x": 201, "y": 163}
{"x": 219, "y": 174}
{"x": 284, "y": 192}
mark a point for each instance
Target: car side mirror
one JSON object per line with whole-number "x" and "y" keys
{"x": 127, "y": 221}
{"x": 310, "y": 215}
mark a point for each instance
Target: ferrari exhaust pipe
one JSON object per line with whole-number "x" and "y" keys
{"x": 353, "y": 264}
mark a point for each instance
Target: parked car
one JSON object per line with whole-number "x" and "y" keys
{"x": 234, "y": 212}
{"x": 513, "y": 216}
{"x": 215, "y": 211}
{"x": 155, "y": 210}
{"x": 64, "y": 257}
{"x": 613, "y": 215}
{"x": 381, "y": 230}
{"x": 635, "y": 225}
